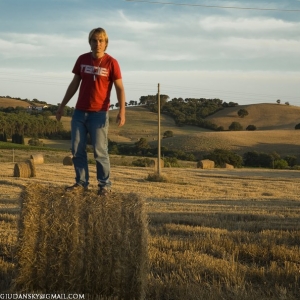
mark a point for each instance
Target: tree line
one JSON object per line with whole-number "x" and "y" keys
{"x": 18, "y": 125}
{"x": 220, "y": 156}
{"x": 188, "y": 111}
{"x": 253, "y": 159}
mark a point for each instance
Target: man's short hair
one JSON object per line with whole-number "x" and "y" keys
{"x": 101, "y": 31}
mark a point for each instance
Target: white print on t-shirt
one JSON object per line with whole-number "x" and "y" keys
{"x": 94, "y": 70}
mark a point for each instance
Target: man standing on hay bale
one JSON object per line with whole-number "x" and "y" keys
{"x": 95, "y": 72}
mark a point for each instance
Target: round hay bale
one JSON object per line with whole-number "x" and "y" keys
{"x": 30, "y": 162}
{"x": 25, "y": 169}
{"x": 153, "y": 163}
{"x": 227, "y": 166}
{"x": 93, "y": 247}
{"x": 22, "y": 170}
{"x": 37, "y": 158}
{"x": 206, "y": 164}
{"x": 68, "y": 161}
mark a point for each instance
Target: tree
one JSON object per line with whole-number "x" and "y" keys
{"x": 280, "y": 164}
{"x": 291, "y": 160}
{"x": 168, "y": 133}
{"x": 251, "y": 127}
{"x": 251, "y": 159}
{"x": 235, "y": 126}
{"x": 142, "y": 145}
{"x": 132, "y": 102}
{"x": 232, "y": 104}
{"x": 258, "y": 159}
{"x": 179, "y": 118}
{"x": 221, "y": 156}
{"x": 297, "y": 126}
{"x": 243, "y": 113}
{"x": 261, "y": 159}
{"x": 278, "y": 101}
{"x": 35, "y": 142}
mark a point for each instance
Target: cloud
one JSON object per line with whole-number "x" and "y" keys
{"x": 136, "y": 26}
{"x": 15, "y": 49}
{"x": 263, "y": 47}
{"x": 246, "y": 24}
{"x": 15, "y": 45}
{"x": 187, "y": 39}
{"x": 156, "y": 38}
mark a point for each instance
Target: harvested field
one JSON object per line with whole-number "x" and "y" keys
{"x": 213, "y": 234}
{"x": 10, "y": 102}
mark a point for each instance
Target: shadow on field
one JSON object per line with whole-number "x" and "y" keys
{"x": 282, "y": 149}
{"x": 251, "y": 216}
{"x": 7, "y": 182}
{"x": 230, "y": 203}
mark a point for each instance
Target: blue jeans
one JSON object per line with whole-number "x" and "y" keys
{"x": 96, "y": 124}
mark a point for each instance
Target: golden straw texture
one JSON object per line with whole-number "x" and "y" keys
{"x": 22, "y": 169}
{"x": 81, "y": 243}
{"x": 37, "y": 158}
{"x": 206, "y": 164}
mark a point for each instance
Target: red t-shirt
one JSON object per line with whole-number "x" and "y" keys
{"x": 97, "y": 78}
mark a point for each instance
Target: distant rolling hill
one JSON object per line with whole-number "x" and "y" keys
{"x": 11, "y": 102}
{"x": 275, "y": 130}
{"x": 265, "y": 116}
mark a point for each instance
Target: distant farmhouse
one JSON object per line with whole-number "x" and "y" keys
{"x": 36, "y": 108}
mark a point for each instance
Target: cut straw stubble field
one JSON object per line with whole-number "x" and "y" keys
{"x": 214, "y": 234}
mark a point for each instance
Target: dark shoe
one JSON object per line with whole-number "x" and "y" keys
{"x": 76, "y": 188}
{"x": 103, "y": 192}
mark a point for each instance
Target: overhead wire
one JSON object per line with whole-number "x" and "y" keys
{"x": 169, "y": 89}
{"x": 215, "y": 6}
{"x": 238, "y": 95}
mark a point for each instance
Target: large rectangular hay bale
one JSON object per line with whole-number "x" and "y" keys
{"x": 80, "y": 243}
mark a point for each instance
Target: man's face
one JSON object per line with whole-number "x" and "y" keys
{"x": 98, "y": 43}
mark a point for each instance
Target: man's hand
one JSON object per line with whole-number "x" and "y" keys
{"x": 121, "y": 99}
{"x": 71, "y": 90}
{"x": 120, "y": 119}
{"x": 59, "y": 114}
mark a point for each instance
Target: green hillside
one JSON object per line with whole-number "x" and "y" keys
{"x": 275, "y": 130}
{"x": 265, "y": 116}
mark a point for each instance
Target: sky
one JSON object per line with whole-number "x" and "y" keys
{"x": 242, "y": 51}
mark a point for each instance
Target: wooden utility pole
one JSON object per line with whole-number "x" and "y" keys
{"x": 158, "y": 133}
